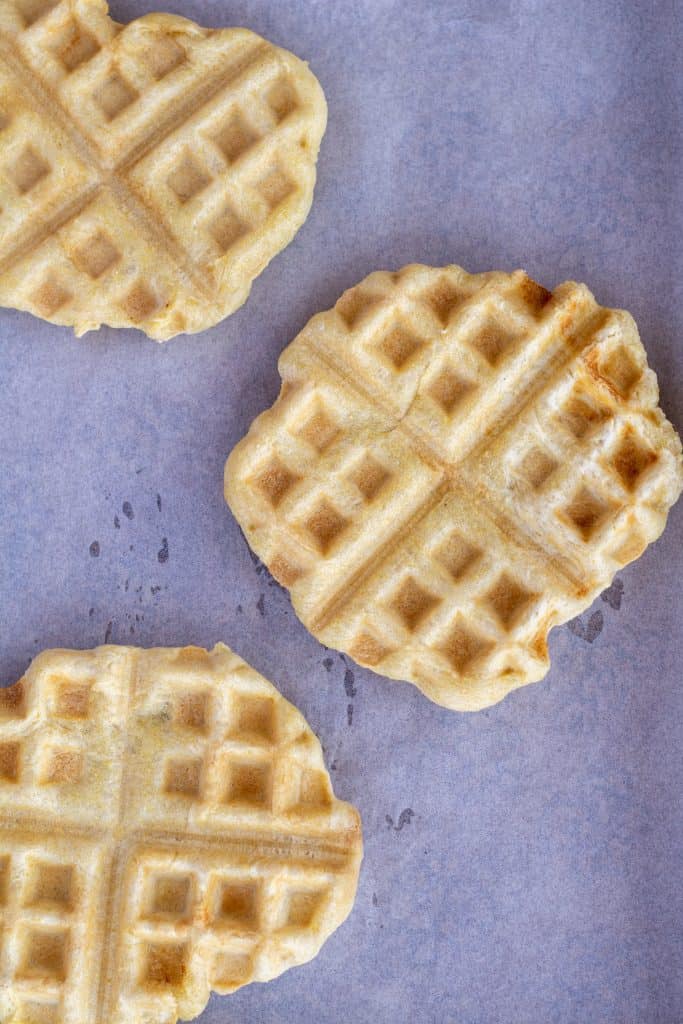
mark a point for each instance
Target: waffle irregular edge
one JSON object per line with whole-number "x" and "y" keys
{"x": 455, "y": 464}
{"x": 148, "y": 172}
{"x": 167, "y": 827}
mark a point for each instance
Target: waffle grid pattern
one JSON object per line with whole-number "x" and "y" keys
{"x": 165, "y": 820}
{"x": 455, "y": 464}
{"x": 134, "y": 188}
{"x": 221, "y": 922}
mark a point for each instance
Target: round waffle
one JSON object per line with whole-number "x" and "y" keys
{"x": 455, "y": 464}
{"x": 167, "y": 827}
{"x": 148, "y": 172}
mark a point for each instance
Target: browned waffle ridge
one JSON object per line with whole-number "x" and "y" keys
{"x": 167, "y": 827}
{"x": 148, "y": 172}
{"x": 455, "y": 464}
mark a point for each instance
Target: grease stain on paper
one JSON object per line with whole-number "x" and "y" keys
{"x": 404, "y": 818}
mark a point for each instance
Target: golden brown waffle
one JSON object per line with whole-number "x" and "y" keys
{"x": 455, "y": 464}
{"x": 167, "y": 827}
{"x": 148, "y": 172}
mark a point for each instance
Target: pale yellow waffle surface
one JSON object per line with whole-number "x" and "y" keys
{"x": 455, "y": 464}
{"x": 167, "y": 827}
{"x": 148, "y": 172}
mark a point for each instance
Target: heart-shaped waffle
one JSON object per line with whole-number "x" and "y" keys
{"x": 148, "y": 172}
{"x": 455, "y": 464}
{"x": 167, "y": 827}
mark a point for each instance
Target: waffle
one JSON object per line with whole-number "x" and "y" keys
{"x": 167, "y": 827}
{"x": 455, "y": 464}
{"x": 148, "y": 172}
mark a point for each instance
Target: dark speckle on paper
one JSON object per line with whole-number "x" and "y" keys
{"x": 349, "y": 680}
{"x": 260, "y": 604}
{"x": 404, "y": 818}
{"x": 108, "y": 632}
{"x": 239, "y": 609}
{"x": 117, "y": 523}
{"x": 328, "y": 663}
{"x": 589, "y": 631}
{"x": 258, "y": 564}
{"x": 576, "y": 627}
{"x": 349, "y": 713}
{"x": 594, "y": 627}
{"x": 91, "y": 613}
{"x": 262, "y": 569}
{"x": 162, "y": 554}
{"x": 155, "y": 590}
{"x": 95, "y": 549}
{"x": 375, "y": 901}
{"x": 127, "y": 510}
{"x": 614, "y": 594}
{"x": 159, "y": 502}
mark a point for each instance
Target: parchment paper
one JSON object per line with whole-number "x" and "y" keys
{"x": 523, "y": 865}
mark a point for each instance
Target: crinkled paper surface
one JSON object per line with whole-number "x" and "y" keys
{"x": 523, "y": 865}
